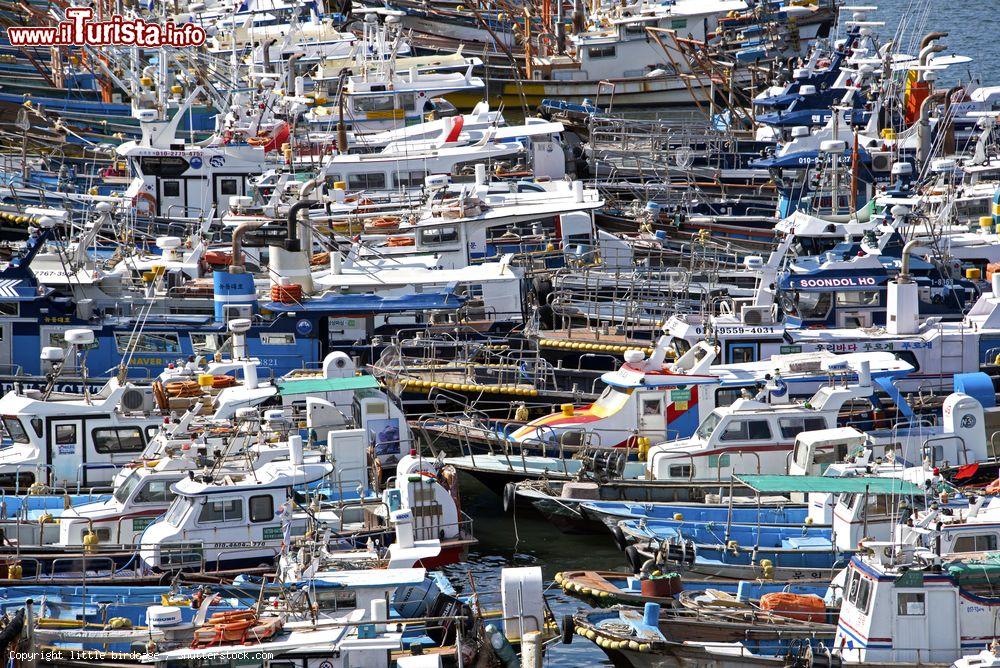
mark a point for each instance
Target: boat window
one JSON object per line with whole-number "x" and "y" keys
{"x": 813, "y": 305}
{"x": 125, "y": 489}
{"x": 725, "y": 396}
{"x": 261, "y": 508}
{"x": 65, "y": 434}
{"x": 229, "y": 187}
{"x": 635, "y": 29}
{"x": 438, "y": 235}
{"x": 375, "y": 103}
{"x": 178, "y": 509}
{"x": 910, "y": 604}
{"x": 410, "y": 179}
{"x": 155, "y": 491}
{"x": 374, "y": 181}
{"x": 108, "y": 440}
{"x": 228, "y": 510}
{"x": 861, "y": 592}
{"x": 746, "y": 430}
{"x": 708, "y": 425}
{"x": 157, "y": 342}
{"x": 598, "y": 52}
{"x": 801, "y": 454}
{"x": 15, "y": 431}
{"x": 679, "y": 346}
{"x": 205, "y": 343}
{"x": 278, "y": 339}
{"x": 793, "y": 426}
{"x": 681, "y": 471}
{"x": 171, "y": 188}
{"x": 163, "y": 166}
{"x": 37, "y": 424}
{"x": 651, "y": 407}
{"x": 610, "y": 401}
{"x": 857, "y": 298}
{"x": 978, "y": 543}
{"x": 878, "y": 505}
{"x": 10, "y": 309}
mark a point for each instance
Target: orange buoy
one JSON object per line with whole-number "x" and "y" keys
{"x": 286, "y": 294}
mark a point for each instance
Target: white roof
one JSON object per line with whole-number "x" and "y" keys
{"x": 837, "y": 434}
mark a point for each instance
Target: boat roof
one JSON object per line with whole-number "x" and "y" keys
{"x": 793, "y": 367}
{"x": 773, "y": 484}
{"x": 274, "y": 475}
{"x": 287, "y": 388}
{"x": 374, "y": 578}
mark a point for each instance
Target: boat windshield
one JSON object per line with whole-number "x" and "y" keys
{"x": 610, "y": 401}
{"x": 15, "y": 430}
{"x": 708, "y": 426}
{"x": 178, "y": 509}
{"x": 125, "y": 489}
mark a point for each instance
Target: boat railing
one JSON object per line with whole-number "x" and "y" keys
{"x": 84, "y": 560}
{"x": 49, "y": 469}
{"x": 925, "y": 449}
{"x": 692, "y": 469}
{"x": 81, "y": 470}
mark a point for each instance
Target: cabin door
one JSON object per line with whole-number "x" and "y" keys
{"x": 172, "y": 198}
{"x": 226, "y": 187}
{"x": 652, "y": 415}
{"x": 66, "y": 452}
{"x": 945, "y": 638}
{"x": 909, "y": 615}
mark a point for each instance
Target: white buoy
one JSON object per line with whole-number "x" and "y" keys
{"x": 249, "y": 375}
{"x": 295, "y": 449}
{"x": 379, "y": 612}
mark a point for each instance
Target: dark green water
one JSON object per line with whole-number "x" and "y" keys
{"x": 530, "y": 541}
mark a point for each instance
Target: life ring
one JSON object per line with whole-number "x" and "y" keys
{"x": 150, "y": 200}
{"x": 183, "y": 388}
{"x": 258, "y": 141}
{"x": 219, "y": 382}
{"x": 399, "y": 241}
{"x": 384, "y": 222}
{"x": 160, "y": 395}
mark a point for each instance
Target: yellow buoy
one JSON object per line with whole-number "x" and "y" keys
{"x": 90, "y": 541}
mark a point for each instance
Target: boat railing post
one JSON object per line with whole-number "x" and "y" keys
{"x": 531, "y": 650}
{"x": 729, "y": 518}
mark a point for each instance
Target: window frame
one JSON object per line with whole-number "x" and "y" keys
{"x": 270, "y": 506}
{"x": 171, "y": 184}
{"x": 602, "y": 52}
{"x": 60, "y": 440}
{"x": 101, "y": 448}
{"x": 238, "y": 500}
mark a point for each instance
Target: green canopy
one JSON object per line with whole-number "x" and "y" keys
{"x": 320, "y": 385}
{"x": 773, "y": 484}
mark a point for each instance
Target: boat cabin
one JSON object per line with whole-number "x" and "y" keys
{"x": 74, "y": 441}
{"x": 754, "y": 435}
{"x": 916, "y": 610}
{"x": 231, "y": 520}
